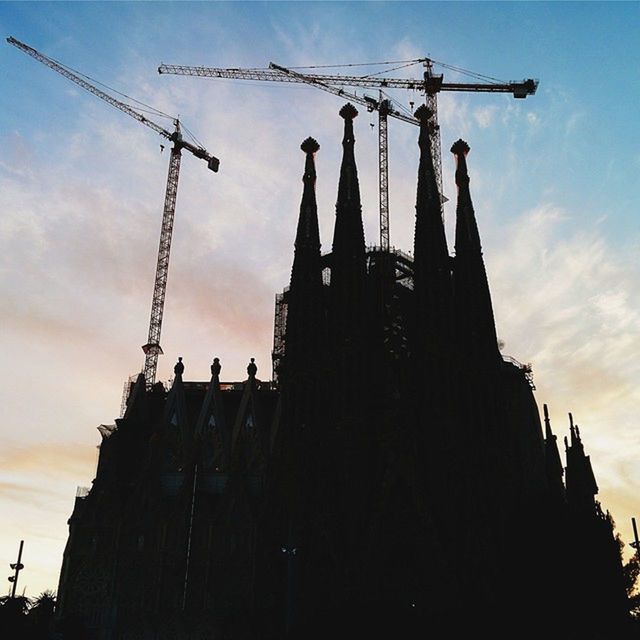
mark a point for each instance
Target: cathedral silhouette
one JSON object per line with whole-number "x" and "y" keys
{"x": 393, "y": 479}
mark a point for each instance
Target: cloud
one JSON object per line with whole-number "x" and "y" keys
{"x": 484, "y": 116}
{"x": 564, "y": 300}
{"x": 574, "y": 121}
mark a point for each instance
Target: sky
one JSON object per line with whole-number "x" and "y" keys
{"x": 553, "y": 178}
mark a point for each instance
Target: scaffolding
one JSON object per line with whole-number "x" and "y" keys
{"x": 279, "y": 330}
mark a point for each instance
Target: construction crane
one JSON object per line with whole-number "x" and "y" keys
{"x": 431, "y": 84}
{"x": 152, "y": 348}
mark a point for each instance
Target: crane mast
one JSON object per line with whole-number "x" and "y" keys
{"x": 383, "y": 171}
{"x": 431, "y": 84}
{"x": 152, "y": 348}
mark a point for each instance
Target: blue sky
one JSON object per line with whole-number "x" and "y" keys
{"x": 81, "y": 186}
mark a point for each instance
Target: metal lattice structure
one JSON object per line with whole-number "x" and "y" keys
{"x": 431, "y": 85}
{"x": 279, "y": 332}
{"x": 152, "y": 348}
{"x": 383, "y": 173}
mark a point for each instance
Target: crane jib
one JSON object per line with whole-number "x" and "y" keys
{"x": 430, "y": 85}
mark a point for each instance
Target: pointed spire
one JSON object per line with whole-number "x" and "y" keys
{"x": 548, "y": 435}
{"x": 306, "y": 262}
{"x": 467, "y": 235}
{"x": 305, "y": 296}
{"x": 210, "y": 425}
{"x": 347, "y": 299}
{"x": 553, "y": 463}
{"x": 473, "y": 298}
{"x": 348, "y": 236}
{"x": 575, "y": 437}
{"x": 430, "y": 243}
{"x": 581, "y": 482}
{"x": 432, "y": 278}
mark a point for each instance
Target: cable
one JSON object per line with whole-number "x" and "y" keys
{"x": 377, "y": 73}
{"x": 357, "y": 64}
{"x": 144, "y": 106}
{"x": 472, "y": 74}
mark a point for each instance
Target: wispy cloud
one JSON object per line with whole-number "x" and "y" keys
{"x": 564, "y": 301}
{"x": 484, "y": 116}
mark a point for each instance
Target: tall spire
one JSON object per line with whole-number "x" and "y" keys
{"x": 432, "y": 275}
{"x": 306, "y": 270}
{"x": 467, "y": 235}
{"x": 581, "y": 482}
{"x": 473, "y": 298}
{"x": 304, "y": 299}
{"x": 432, "y": 365}
{"x": 348, "y": 235}
{"x": 430, "y": 243}
{"x": 553, "y": 463}
{"x": 348, "y": 283}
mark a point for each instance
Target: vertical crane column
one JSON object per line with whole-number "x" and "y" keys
{"x": 153, "y": 349}
{"x": 383, "y": 112}
{"x": 432, "y": 85}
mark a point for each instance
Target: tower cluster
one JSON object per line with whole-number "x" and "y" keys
{"x": 394, "y": 478}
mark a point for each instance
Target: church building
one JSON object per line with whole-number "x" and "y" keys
{"x": 394, "y": 479}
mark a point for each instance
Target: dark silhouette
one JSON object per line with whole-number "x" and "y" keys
{"x": 393, "y": 481}
{"x": 27, "y": 619}
{"x": 216, "y": 368}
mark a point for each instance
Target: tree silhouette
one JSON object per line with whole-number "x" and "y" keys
{"x": 26, "y": 618}
{"x": 40, "y": 616}
{"x": 13, "y": 615}
{"x": 631, "y": 573}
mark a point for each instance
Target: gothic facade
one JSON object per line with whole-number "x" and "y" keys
{"x": 393, "y": 480}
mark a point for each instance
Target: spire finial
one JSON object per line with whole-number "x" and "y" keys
{"x": 423, "y": 113}
{"x": 252, "y": 369}
{"x": 216, "y": 367}
{"x": 306, "y": 261}
{"x": 310, "y": 145}
{"x": 179, "y": 367}
{"x": 348, "y": 112}
{"x": 460, "y": 147}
